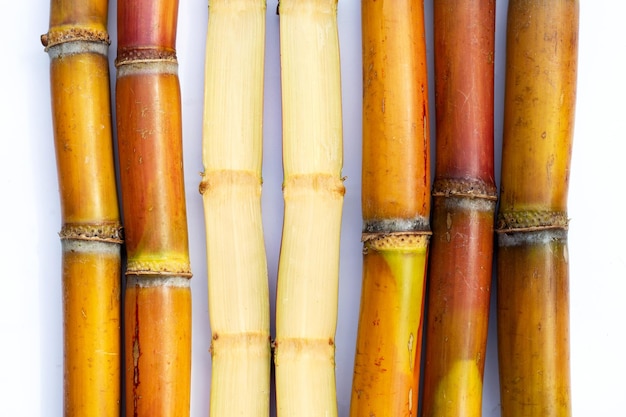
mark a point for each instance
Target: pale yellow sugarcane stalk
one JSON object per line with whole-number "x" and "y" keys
{"x": 308, "y": 271}
{"x": 231, "y": 189}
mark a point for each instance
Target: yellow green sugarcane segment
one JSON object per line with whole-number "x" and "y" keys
{"x": 389, "y": 347}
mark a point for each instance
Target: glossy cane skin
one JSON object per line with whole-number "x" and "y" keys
{"x": 396, "y": 141}
{"x": 533, "y": 278}
{"x": 157, "y": 300}
{"x": 396, "y": 209}
{"x": 77, "y": 43}
{"x": 388, "y": 352}
{"x": 464, "y": 198}
{"x": 533, "y": 328}
{"x": 160, "y": 367}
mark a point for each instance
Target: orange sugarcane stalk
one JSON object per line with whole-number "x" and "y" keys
{"x": 77, "y": 43}
{"x": 464, "y": 202}
{"x": 533, "y": 277}
{"x": 157, "y": 301}
{"x": 396, "y": 208}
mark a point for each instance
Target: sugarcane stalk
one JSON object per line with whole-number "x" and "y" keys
{"x": 395, "y": 207}
{"x": 464, "y": 202}
{"x": 77, "y": 43}
{"x": 231, "y": 190}
{"x": 157, "y": 300}
{"x": 308, "y": 271}
{"x": 533, "y": 277}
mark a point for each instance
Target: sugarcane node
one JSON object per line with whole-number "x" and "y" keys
{"x": 292, "y": 347}
{"x": 135, "y": 55}
{"x": 464, "y": 187}
{"x": 101, "y": 232}
{"x": 158, "y": 269}
{"x": 417, "y": 240}
{"x": 244, "y": 341}
{"x": 203, "y": 186}
{"x": 319, "y": 182}
{"x": 74, "y": 34}
{"x": 531, "y": 220}
{"x": 228, "y": 178}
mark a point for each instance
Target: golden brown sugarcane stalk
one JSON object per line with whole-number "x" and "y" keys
{"x": 77, "y": 43}
{"x": 157, "y": 301}
{"x": 533, "y": 278}
{"x": 464, "y": 202}
{"x": 308, "y": 271}
{"x": 231, "y": 189}
{"x": 396, "y": 208}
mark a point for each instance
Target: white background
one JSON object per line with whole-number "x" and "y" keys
{"x": 30, "y": 298}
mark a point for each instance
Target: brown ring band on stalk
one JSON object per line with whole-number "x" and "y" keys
{"x": 289, "y": 348}
{"x": 156, "y": 269}
{"x": 137, "y": 55}
{"x": 104, "y": 232}
{"x": 318, "y": 182}
{"x": 463, "y": 187}
{"x": 395, "y": 241}
{"x": 531, "y": 220}
{"x": 55, "y": 37}
{"x": 254, "y": 342}
{"x": 215, "y": 179}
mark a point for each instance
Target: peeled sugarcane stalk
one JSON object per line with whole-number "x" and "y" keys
{"x": 77, "y": 43}
{"x": 157, "y": 301}
{"x": 308, "y": 271}
{"x": 464, "y": 202}
{"x": 231, "y": 190}
{"x": 533, "y": 277}
{"x": 396, "y": 208}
